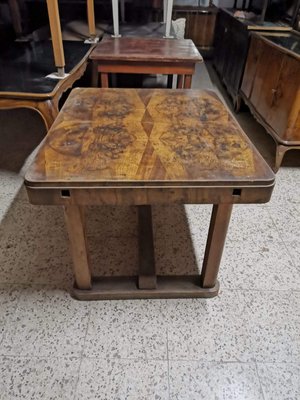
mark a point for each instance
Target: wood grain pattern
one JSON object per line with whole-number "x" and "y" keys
{"x": 125, "y": 137}
{"x": 146, "y": 49}
{"x": 271, "y": 89}
{"x": 56, "y": 35}
{"x": 143, "y": 147}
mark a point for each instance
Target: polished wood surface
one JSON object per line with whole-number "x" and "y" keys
{"x": 270, "y": 88}
{"x": 144, "y": 147}
{"x": 129, "y": 55}
{"x": 146, "y": 49}
{"x": 121, "y": 137}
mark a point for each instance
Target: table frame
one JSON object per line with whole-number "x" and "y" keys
{"x": 147, "y": 284}
{"x": 184, "y": 71}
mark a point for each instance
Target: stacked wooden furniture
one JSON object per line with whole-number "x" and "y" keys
{"x": 271, "y": 87}
{"x": 232, "y": 38}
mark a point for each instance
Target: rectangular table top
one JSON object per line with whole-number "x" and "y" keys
{"x": 146, "y": 49}
{"x": 149, "y": 138}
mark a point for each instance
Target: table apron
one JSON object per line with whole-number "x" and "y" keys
{"x": 142, "y": 196}
{"x": 122, "y": 67}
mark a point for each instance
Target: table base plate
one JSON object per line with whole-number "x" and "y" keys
{"x": 126, "y": 287}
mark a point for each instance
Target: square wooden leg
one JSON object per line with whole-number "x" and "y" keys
{"x": 74, "y": 216}
{"x": 215, "y": 243}
{"x": 147, "y": 275}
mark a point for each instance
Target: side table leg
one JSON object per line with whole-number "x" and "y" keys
{"x": 280, "y": 152}
{"x": 75, "y": 225}
{"x": 170, "y": 82}
{"x": 95, "y": 74}
{"x": 147, "y": 275}
{"x": 215, "y": 243}
{"x": 104, "y": 80}
{"x": 187, "y": 81}
{"x": 179, "y": 81}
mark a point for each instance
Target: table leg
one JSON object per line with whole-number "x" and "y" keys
{"x": 104, "y": 80}
{"x": 179, "y": 81}
{"x": 165, "y": 11}
{"x": 280, "y": 152}
{"x": 168, "y": 17}
{"x": 75, "y": 225}
{"x": 215, "y": 243}
{"x": 170, "y": 82}
{"x": 147, "y": 275}
{"x": 187, "y": 81}
{"x": 48, "y": 109}
{"x": 115, "y": 10}
{"x": 95, "y": 74}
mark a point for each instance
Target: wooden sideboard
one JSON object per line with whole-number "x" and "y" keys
{"x": 200, "y": 24}
{"x": 271, "y": 87}
{"x": 232, "y": 37}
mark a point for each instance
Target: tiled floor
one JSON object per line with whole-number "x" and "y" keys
{"x": 244, "y": 344}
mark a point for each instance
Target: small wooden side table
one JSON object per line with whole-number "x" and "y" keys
{"x": 140, "y": 148}
{"x": 129, "y": 55}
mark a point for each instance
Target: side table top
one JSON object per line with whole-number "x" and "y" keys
{"x": 146, "y": 137}
{"x": 146, "y": 49}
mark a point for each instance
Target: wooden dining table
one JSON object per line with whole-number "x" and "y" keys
{"x": 142, "y": 147}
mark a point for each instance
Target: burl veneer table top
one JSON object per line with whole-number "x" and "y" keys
{"x": 144, "y": 147}
{"x": 146, "y": 56}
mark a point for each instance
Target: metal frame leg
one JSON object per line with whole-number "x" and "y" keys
{"x": 115, "y": 10}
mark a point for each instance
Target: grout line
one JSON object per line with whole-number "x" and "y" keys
{"x": 81, "y": 355}
{"x": 283, "y": 241}
{"x": 202, "y": 361}
{"x": 169, "y": 391}
{"x": 259, "y": 380}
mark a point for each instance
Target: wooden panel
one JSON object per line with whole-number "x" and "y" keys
{"x": 276, "y": 83}
{"x": 128, "y": 137}
{"x": 266, "y": 80}
{"x": 284, "y": 115}
{"x": 200, "y": 23}
{"x": 221, "y": 42}
{"x": 253, "y": 58}
{"x": 236, "y": 55}
{"x": 200, "y": 28}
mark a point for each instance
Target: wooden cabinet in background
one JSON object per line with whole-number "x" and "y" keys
{"x": 230, "y": 53}
{"x": 232, "y": 38}
{"x": 271, "y": 87}
{"x": 200, "y": 24}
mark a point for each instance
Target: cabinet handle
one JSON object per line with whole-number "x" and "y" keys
{"x": 274, "y": 92}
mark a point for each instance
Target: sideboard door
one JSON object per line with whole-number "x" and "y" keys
{"x": 284, "y": 115}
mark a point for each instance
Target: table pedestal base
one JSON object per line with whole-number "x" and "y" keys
{"x": 126, "y": 287}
